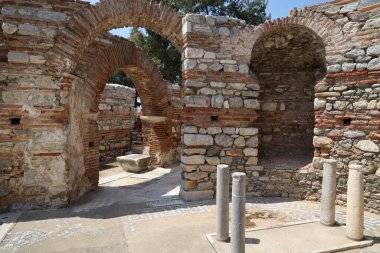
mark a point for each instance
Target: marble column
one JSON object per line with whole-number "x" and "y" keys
{"x": 238, "y": 213}
{"x": 222, "y": 202}
{"x": 328, "y": 192}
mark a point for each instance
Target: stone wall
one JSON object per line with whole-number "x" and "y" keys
{"x": 116, "y": 120}
{"x": 55, "y": 58}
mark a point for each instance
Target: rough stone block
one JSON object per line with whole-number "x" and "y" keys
{"x": 198, "y": 140}
{"x": 196, "y": 195}
{"x": 18, "y": 57}
{"x": 134, "y": 162}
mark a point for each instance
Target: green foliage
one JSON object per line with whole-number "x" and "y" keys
{"x": 252, "y": 11}
{"x": 162, "y": 52}
{"x": 119, "y": 77}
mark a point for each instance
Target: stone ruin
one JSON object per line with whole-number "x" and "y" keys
{"x": 271, "y": 100}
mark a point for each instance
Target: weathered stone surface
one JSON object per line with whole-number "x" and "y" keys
{"x": 52, "y": 15}
{"x": 269, "y": 107}
{"x": 197, "y": 101}
{"x": 196, "y": 53}
{"x": 217, "y": 101}
{"x": 194, "y": 151}
{"x": 372, "y": 23}
{"x": 319, "y": 104}
{"x": 367, "y": 146}
{"x": 214, "y": 130}
{"x": 18, "y": 57}
{"x": 349, "y": 7}
{"x": 26, "y": 29}
{"x": 194, "y": 159}
{"x": 9, "y": 28}
{"x": 353, "y": 134}
{"x": 374, "y": 50}
{"x": 213, "y": 160}
{"x": 198, "y": 140}
{"x": 250, "y": 152}
{"x": 224, "y": 140}
{"x": 195, "y": 176}
{"x": 322, "y": 142}
{"x": 252, "y": 142}
{"x": 248, "y": 131}
{"x": 374, "y": 64}
{"x": 252, "y": 104}
{"x": 239, "y": 142}
{"x": 134, "y": 162}
{"x": 235, "y": 102}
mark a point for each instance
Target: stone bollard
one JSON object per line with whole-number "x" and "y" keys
{"x": 222, "y": 202}
{"x": 238, "y": 213}
{"x": 355, "y": 203}
{"x": 328, "y": 192}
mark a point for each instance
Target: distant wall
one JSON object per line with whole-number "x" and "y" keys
{"x": 115, "y": 120}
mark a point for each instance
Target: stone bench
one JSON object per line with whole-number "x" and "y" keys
{"x": 134, "y": 162}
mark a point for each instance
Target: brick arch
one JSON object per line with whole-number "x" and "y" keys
{"x": 330, "y": 33}
{"x": 95, "y": 69}
{"x": 86, "y": 25}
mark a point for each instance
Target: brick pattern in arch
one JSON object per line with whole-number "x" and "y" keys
{"x": 86, "y": 25}
{"x": 329, "y": 32}
{"x": 95, "y": 70}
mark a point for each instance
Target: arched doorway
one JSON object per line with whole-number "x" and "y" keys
{"x": 289, "y": 62}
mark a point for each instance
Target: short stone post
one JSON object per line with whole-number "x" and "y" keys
{"x": 222, "y": 202}
{"x": 238, "y": 213}
{"x": 328, "y": 192}
{"x": 355, "y": 203}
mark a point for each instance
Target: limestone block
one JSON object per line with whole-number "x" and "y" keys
{"x": 26, "y": 29}
{"x": 203, "y": 29}
{"x": 243, "y": 68}
{"x": 334, "y": 59}
{"x": 188, "y": 185}
{"x": 250, "y": 152}
{"x": 349, "y": 7}
{"x": 231, "y": 68}
{"x": 196, "y": 84}
{"x": 205, "y": 186}
{"x": 52, "y": 15}
{"x": 355, "y": 53}
{"x": 229, "y": 130}
{"x": 224, "y": 140}
{"x": 190, "y": 129}
{"x": 18, "y": 57}
{"x": 353, "y": 134}
{"x": 214, "y": 130}
{"x": 235, "y": 102}
{"x": 252, "y": 142}
{"x": 209, "y": 55}
{"x": 351, "y": 27}
{"x": 253, "y": 86}
{"x": 194, "y": 151}
{"x": 134, "y": 162}
{"x": 189, "y": 64}
{"x": 197, "y": 101}
{"x": 224, "y": 31}
{"x": 218, "y": 85}
{"x": 374, "y": 64}
{"x": 323, "y": 142}
{"x": 217, "y": 101}
{"x": 348, "y": 67}
{"x": 198, "y": 140}
{"x": 194, "y": 53}
{"x": 37, "y": 59}
{"x": 239, "y": 141}
{"x": 237, "y": 86}
{"x": 319, "y": 104}
{"x": 360, "y": 105}
{"x": 248, "y": 131}
{"x": 372, "y": 23}
{"x": 9, "y": 28}
{"x": 195, "y": 176}
{"x": 367, "y": 146}
{"x": 252, "y": 104}
{"x": 374, "y": 50}
{"x": 213, "y": 160}
{"x": 269, "y": 107}
{"x": 196, "y": 195}
{"x": 334, "y": 68}
{"x": 216, "y": 66}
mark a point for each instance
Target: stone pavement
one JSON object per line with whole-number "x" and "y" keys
{"x": 142, "y": 213}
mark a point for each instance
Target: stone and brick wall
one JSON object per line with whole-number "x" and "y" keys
{"x": 116, "y": 119}
{"x": 55, "y": 58}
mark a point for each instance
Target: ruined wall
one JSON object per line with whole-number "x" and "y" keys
{"x": 48, "y": 121}
{"x": 116, "y": 119}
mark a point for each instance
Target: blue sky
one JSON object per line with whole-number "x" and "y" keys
{"x": 277, "y": 9}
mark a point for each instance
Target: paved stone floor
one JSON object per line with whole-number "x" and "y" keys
{"x": 142, "y": 213}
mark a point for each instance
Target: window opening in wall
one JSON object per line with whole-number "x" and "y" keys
{"x": 15, "y": 121}
{"x": 346, "y": 122}
{"x": 214, "y": 118}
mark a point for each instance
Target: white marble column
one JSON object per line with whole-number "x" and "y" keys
{"x": 238, "y": 213}
{"x": 328, "y": 192}
{"x": 222, "y": 202}
{"x": 355, "y": 203}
